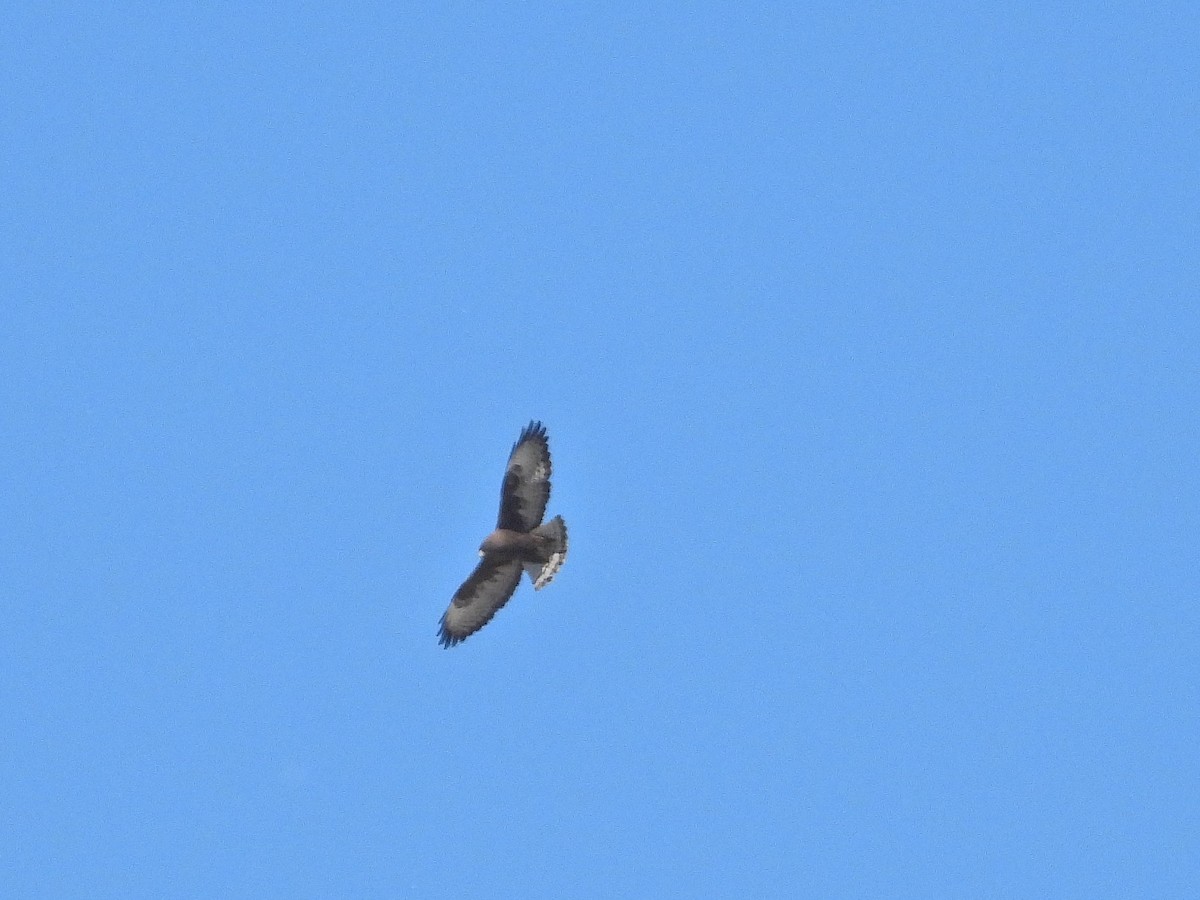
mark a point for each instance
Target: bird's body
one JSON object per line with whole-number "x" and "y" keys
{"x": 503, "y": 541}
{"x": 521, "y": 542}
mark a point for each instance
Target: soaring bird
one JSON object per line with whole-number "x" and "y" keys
{"x": 520, "y": 542}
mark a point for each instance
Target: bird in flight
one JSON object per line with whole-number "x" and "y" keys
{"x": 520, "y": 543}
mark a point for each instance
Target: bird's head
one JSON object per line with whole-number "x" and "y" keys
{"x": 490, "y": 544}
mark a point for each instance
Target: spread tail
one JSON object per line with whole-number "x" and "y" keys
{"x": 555, "y": 532}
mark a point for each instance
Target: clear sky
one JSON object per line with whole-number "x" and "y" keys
{"x": 866, "y": 336}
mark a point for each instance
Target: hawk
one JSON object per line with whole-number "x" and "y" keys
{"x": 520, "y": 542}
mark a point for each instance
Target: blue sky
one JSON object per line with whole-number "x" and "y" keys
{"x": 866, "y": 337}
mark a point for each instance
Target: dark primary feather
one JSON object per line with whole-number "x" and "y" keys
{"x": 525, "y": 490}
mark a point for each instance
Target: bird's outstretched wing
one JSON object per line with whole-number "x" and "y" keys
{"x": 485, "y": 591}
{"x": 526, "y": 488}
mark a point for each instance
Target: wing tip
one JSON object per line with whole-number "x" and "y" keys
{"x": 445, "y": 638}
{"x": 535, "y": 429}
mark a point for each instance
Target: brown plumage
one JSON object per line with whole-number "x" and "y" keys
{"x": 520, "y": 542}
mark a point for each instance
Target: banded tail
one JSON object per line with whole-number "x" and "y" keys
{"x": 554, "y": 533}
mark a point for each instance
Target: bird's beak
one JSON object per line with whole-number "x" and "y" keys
{"x": 481, "y": 554}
